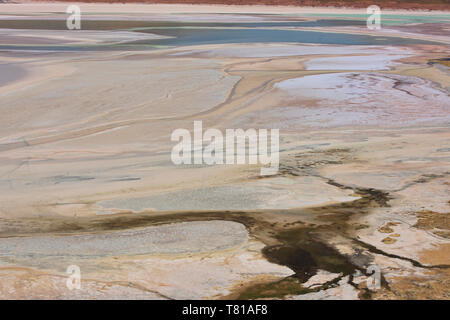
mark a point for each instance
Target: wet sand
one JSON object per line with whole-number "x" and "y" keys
{"x": 10, "y": 73}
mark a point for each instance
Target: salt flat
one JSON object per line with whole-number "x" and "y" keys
{"x": 85, "y": 167}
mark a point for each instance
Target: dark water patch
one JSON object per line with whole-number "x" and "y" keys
{"x": 304, "y": 254}
{"x": 299, "y": 250}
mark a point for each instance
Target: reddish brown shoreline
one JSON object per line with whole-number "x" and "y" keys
{"x": 396, "y": 4}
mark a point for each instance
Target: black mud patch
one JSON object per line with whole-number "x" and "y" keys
{"x": 290, "y": 240}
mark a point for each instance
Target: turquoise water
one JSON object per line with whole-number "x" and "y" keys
{"x": 192, "y": 36}
{"x": 131, "y": 24}
{"x": 390, "y": 19}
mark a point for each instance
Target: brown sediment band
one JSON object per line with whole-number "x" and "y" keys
{"x": 395, "y": 4}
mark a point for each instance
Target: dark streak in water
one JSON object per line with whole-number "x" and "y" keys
{"x": 415, "y": 263}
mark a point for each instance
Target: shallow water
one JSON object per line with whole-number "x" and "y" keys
{"x": 130, "y": 24}
{"x": 187, "y": 37}
{"x": 187, "y": 34}
{"x": 389, "y": 19}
